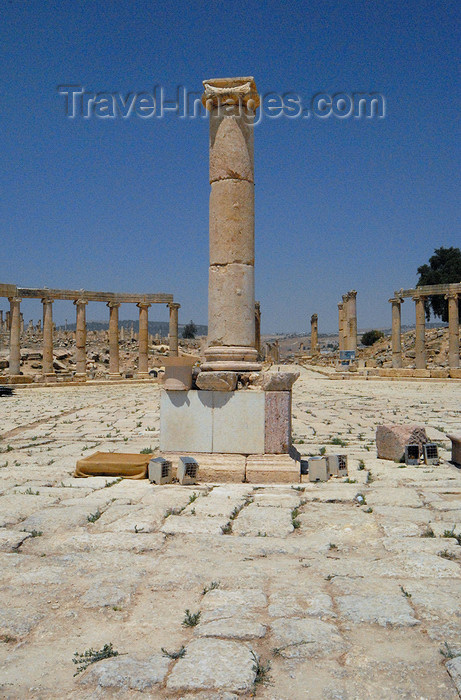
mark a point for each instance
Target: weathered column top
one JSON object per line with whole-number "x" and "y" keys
{"x": 143, "y": 305}
{"x": 221, "y": 91}
{"x": 14, "y": 299}
{"x": 80, "y": 302}
{"x": 113, "y": 304}
{"x": 174, "y": 305}
{"x": 47, "y": 300}
{"x": 396, "y": 300}
{"x": 352, "y": 294}
{"x": 314, "y": 317}
{"x": 340, "y": 305}
{"x": 452, "y": 295}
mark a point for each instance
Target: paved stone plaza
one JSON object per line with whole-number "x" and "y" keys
{"x": 334, "y": 584}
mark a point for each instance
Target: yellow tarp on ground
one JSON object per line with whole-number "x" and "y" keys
{"x": 130, "y": 466}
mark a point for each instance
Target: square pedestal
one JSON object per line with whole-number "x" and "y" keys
{"x": 232, "y": 422}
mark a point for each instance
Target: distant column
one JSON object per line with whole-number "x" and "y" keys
{"x": 143, "y": 366}
{"x": 15, "y": 334}
{"x": 8, "y": 320}
{"x": 352, "y": 320}
{"x": 21, "y": 323}
{"x": 173, "y": 331}
{"x": 420, "y": 338}
{"x": 396, "y": 332}
{"x": 341, "y": 326}
{"x": 114, "y": 365}
{"x": 453, "y": 330}
{"x": 258, "y": 327}
{"x": 314, "y": 334}
{"x": 47, "y": 364}
{"x": 346, "y": 321}
{"x": 80, "y": 339}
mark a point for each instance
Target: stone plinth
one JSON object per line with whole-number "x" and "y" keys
{"x": 178, "y": 372}
{"x": 237, "y": 422}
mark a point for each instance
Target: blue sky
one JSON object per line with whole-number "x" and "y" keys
{"x": 122, "y": 204}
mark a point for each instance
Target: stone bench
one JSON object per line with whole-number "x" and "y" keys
{"x": 455, "y": 448}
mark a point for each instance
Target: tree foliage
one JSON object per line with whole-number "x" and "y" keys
{"x": 444, "y": 267}
{"x": 189, "y": 330}
{"x": 371, "y": 337}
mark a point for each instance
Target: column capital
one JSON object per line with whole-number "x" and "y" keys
{"x": 14, "y": 300}
{"x": 419, "y": 297}
{"x": 225, "y": 91}
{"x": 352, "y": 294}
{"x": 47, "y": 300}
{"x": 113, "y": 304}
{"x": 452, "y": 295}
{"x": 314, "y": 317}
{"x": 174, "y": 305}
{"x": 340, "y": 305}
{"x": 345, "y": 297}
{"x": 396, "y": 300}
{"x": 80, "y": 302}
{"x": 143, "y": 305}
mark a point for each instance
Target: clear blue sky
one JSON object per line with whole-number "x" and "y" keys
{"x": 123, "y": 204}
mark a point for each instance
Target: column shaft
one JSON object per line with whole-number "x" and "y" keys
{"x": 258, "y": 327}
{"x": 15, "y": 334}
{"x": 396, "y": 333}
{"x": 114, "y": 365}
{"x": 453, "y": 331}
{"x": 173, "y": 330}
{"x": 80, "y": 338}
{"x": 47, "y": 363}
{"x": 314, "y": 334}
{"x": 352, "y": 320}
{"x": 345, "y": 324}
{"x": 341, "y": 327}
{"x": 231, "y": 297}
{"x": 143, "y": 365}
{"x": 420, "y": 337}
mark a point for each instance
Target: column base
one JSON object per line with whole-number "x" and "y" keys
{"x": 80, "y": 376}
{"x": 143, "y": 375}
{"x": 231, "y": 358}
{"x": 117, "y": 375}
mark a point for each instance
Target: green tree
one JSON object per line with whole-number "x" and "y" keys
{"x": 371, "y": 337}
{"x": 189, "y": 330}
{"x": 444, "y": 267}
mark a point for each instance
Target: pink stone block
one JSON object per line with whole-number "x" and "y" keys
{"x": 277, "y": 422}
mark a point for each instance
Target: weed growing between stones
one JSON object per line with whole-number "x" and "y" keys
{"x": 192, "y": 498}
{"x": 349, "y": 481}
{"x": 451, "y": 533}
{"x": 191, "y": 619}
{"x": 94, "y": 516}
{"x": 445, "y": 554}
{"x": 212, "y": 587}
{"x": 448, "y": 652}
{"x": 299, "y": 488}
{"x": 146, "y": 451}
{"x": 294, "y": 519}
{"x": 29, "y": 492}
{"x": 7, "y": 639}
{"x": 338, "y": 441}
{"x": 428, "y": 532}
{"x": 405, "y": 593}
{"x": 112, "y": 483}
{"x": 35, "y": 533}
{"x": 91, "y": 656}
{"x": 261, "y": 669}
{"x": 174, "y": 654}
{"x": 360, "y": 499}
{"x": 361, "y": 466}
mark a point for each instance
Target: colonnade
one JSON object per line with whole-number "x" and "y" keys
{"x": 14, "y": 319}
{"x": 419, "y": 297}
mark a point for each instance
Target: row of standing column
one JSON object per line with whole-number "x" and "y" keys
{"x": 347, "y": 322}
{"x": 80, "y": 356}
{"x": 420, "y": 333}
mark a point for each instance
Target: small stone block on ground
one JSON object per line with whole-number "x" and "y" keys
{"x": 214, "y": 468}
{"x": 392, "y": 439}
{"x": 276, "y": 468}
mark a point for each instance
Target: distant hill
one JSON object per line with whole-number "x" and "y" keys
{"x": 160, "y": 327}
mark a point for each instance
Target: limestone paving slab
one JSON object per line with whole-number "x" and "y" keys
{"x": 214, "y": 664}
{"x": 303, "y": 638}
{"x": 127, "y": 673}
{"x": 263, "y": 521}
{"x": 379, "y": 609}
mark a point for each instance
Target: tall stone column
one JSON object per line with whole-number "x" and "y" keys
{"x": 346, "y": 321}
{"x": 232, "y": 103}
{"x": 420, "y": 338}
{"x": 47, "y": 364}
{"x": 258, "y": 327}
{"x": 80, "y": 339}
{"x": 114, "y": 364}
{"x": 143, "y": 366}
{"x": 352, "y": 320}
{"x": 173, "y": 330}
{"x": 341, "y": 327}
{"x": 15, "y": 335}
{"x": 8, "y": 320}
{"x": 314, "y": 334}
{"x": 396, "y": 332}
{"x": 453, "y": 330}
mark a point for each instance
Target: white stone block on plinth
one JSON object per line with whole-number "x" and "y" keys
{"x": 238, "y": 422}
{"x": 186, "y": 421}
